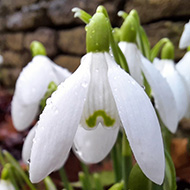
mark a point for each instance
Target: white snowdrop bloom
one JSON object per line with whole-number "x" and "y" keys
{"x": 86, "y": 112}
{"x": 1, "y": 59}
{"x": 185, "y": 37}
{"x": 176, "y": 82}
{"x": 183, "y": 67}
{"x": 30, "y": 88}
{"x": 6, "y": 185}
{"x": 161, "y": 91}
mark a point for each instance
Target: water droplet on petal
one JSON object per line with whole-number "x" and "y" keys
{"x": 28, "y": 161}
{"x": 84, "y": 84}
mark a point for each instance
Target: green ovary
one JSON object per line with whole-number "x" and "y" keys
{"x": 108, "y": 121}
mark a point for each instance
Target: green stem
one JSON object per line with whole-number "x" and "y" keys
{"x": 97, "y": 182}
{"x": 87, "y": 175}
{"x": 126, "y": 160}
{"x": 157, "y": 187}
{"x": 64, "y": 179}
{"x": 116, "y": 165}
{"x": 83, "y": 181}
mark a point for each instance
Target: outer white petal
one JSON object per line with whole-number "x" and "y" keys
{"x": 58, "y": 124}
{"x": 23, "y": 115}
{"x": 183, "y": 67}
{"x": 176, "y": 83}
{"x": 130, "y": 51}
{"x": 27, "y": 146}
{"x": 185, "y": 37}
{"x": 61, "y": 73}
{"x": 6, "y": 185}
{"x": 92, "y": 146}
{"x": 139, "y": 121}
{"x": 163, "y": 95}
{"x": 34, "y": 79}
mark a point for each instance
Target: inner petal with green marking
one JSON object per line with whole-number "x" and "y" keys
{"x": 108, "y": 121}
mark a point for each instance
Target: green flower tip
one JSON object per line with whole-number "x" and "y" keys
{"x": 135, "y": 14}
{"x": 168, "y": 51}
{"x": 37, "y": 48}
{"x": 128, "y": 30}
{"x": 97, "y": 36}
{"x": 102, "y": 9}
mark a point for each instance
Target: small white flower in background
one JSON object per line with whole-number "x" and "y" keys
{"x": 185, "y": 37}
{"x": 6, "y": 185}
{"x": 161, "y": 91}
{"x": 1, "y": 59}
{"x": 88, "y": 110}
{"x": 183, "y": 67}
{"x": 30, "y": 88}
{"x": 176, "y": 82}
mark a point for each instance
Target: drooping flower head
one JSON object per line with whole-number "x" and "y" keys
{"x": 31, "y": 86}
{"x": 88, "y": 109}
{"x": 176, "y": 82}
{"x": 142, "y": 69}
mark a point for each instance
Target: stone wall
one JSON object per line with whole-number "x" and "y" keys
{"x": 52, "y": 23}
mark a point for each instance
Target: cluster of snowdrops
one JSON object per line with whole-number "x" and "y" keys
{"x": 120, "y": 90}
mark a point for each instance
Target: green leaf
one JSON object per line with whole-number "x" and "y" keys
{"x": 137, "y": 179}
{"x": 145, "y": 42}
{"x": 117, "y": 186}
{"x": 170, "y": 175}
{"x": 49, "y": 184}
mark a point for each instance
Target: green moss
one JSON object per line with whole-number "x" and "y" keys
{"x": 108, "y": 121}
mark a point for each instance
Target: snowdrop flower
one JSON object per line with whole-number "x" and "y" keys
{"x": 30, "y": 88}
{"x": 185, "y": 37}
{"x": 176, "y": 82}
{"x": 183, "y": 67}
{"x": 161, "y": 91}
{"x": 6, "y": 185}
{"x": 1, "y": 59}
{"x": 88, "y": 109}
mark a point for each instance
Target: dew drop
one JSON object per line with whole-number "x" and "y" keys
{"x": 28, "y": 161}
{"x": 84, "y": 84}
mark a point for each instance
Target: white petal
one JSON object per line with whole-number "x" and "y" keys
{"x": 61, "y": 73}
{"x": 6, "y": 185}
{"x": 27, "y": 146}
{"x": 58, "y": 124}
{"x": 185, "y": 37}
{"x": 34, "y": 79}
{"x": 183, "y": 67}
{"x": 23, "y": 115}
{"x": 176, "y": 83}
{"x": 163, "y": 95}
{"x": 139, "y": 121}
{"x": 92, "y": 146}
{"x": 99, "y": 99}
{"x": 130, "y": 51}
